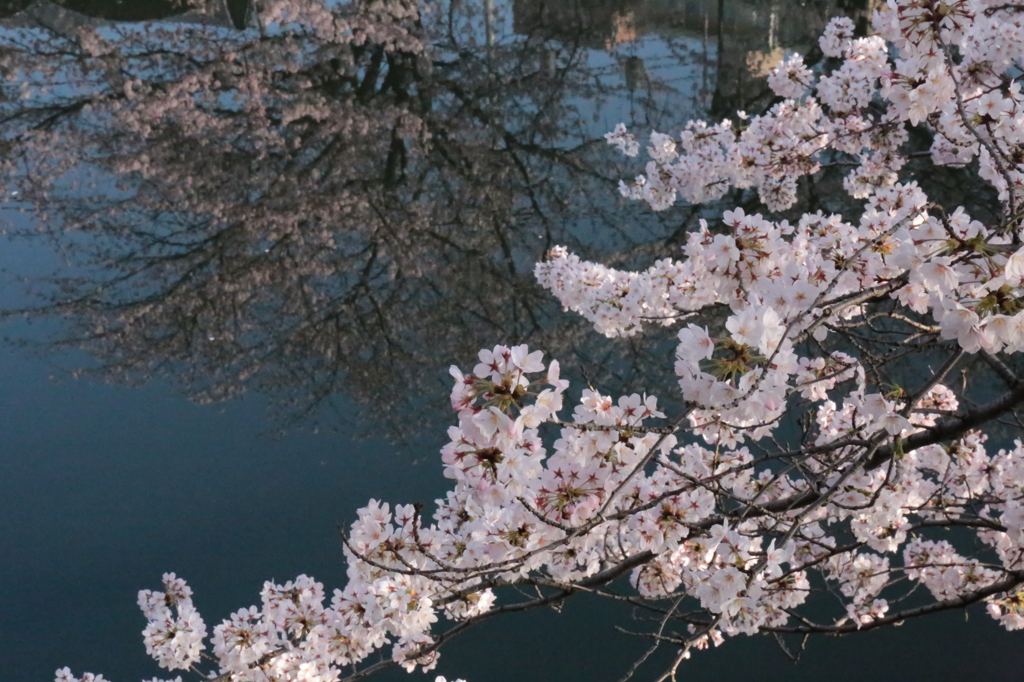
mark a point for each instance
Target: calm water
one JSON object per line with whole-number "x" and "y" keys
{"x": 235, "y": 321}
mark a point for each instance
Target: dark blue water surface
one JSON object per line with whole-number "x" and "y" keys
{"x": 225, "y": 357}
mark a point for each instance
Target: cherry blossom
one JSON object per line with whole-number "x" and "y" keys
{"x": 839, "y": 377}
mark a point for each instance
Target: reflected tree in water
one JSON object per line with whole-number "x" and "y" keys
{"x": 340, "y": 200}
{"x": 336, "y": 199}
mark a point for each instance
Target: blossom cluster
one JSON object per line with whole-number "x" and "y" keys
{"x": 861, "y": 109}
{"x": 781, "y": 323}
{"x": 175, "y": 631}
{"x": 613, "y": 489}
{"x": 784, "y": 293}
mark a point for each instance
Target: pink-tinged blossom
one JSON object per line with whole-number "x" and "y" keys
{"x": 1013, "y": 271}
{"x": 837, "y": 37}
{"x": 861, "y": 495}
{"x": 624, "y": 140}
{"x": 790, "y": 79}
{"x": 64, "y": 675}
{"x": 694, "y": 344}
{"x": 175, "y": 637}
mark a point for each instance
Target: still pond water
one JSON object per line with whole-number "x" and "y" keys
{"x": 239, "y": 318}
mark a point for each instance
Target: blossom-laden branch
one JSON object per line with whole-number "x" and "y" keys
{"x": 817, "y": 434}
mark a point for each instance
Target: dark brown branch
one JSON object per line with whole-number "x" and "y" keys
{"x": 1013, "y": 579}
